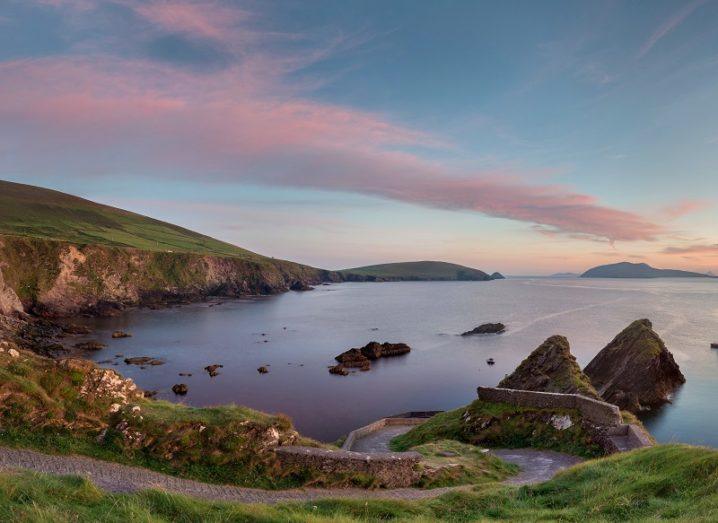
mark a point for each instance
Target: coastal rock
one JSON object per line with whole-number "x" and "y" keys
{"x": 372, "y": 350}
{"x": 486, "y": 328}
{"x": 101, "y": 383}
{"x": 90, "y": 345}
{"x": 339, "y": 370}
{"x": 180, "y": 389}
{"x": 361, "y": 358}
{"x": 353, "y": 358}
{"x": 635, "y": 371}
{"x": 212, "y": 370}
{"x": 300, "y": 286}
{"x": 121, "y": 334}
{"x": 394, "y": 349}
{"x": 550, "y": 368}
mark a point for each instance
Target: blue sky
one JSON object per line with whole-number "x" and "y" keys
{"x": 525, "y": 137}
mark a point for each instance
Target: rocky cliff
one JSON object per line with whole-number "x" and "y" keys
{"x": 550, "y": 368}
{"x": 635, "y": 371}
{"x": 57, "y": 278}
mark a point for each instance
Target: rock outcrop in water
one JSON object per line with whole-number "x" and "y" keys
{"x": 635, "y": 371}
{"x": 551, "y": 368}
{"x": 486, "y": 328}
{"x": 361, "y": 358}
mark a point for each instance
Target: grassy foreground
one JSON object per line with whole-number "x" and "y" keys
{"x": 74, "y": 407}
{"x": 670, "y": 482}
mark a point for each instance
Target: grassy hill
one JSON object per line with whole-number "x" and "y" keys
{"x": 26, "y": 210}
{"x": 638, "y": 270}
{"x": 416, "y": 271}
{"x": 63, "y": 255}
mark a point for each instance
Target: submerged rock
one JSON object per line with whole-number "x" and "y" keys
{"x": 73, "y": 328}
{"x": 550, "y": 368}
{"x": 143, "y": 360}
{"x": 263, "y": 370}
{"x": 486, "y": 328}
{"x": 90, "y": 345}
{"x": 635, "y": 371}
{"x": 121, "y": 334}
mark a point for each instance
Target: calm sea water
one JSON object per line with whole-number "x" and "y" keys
{"x": 298, "y": 334}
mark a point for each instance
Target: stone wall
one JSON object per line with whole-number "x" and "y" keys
{"x": 390, "y": 470}
{"x": 595, "y": 411}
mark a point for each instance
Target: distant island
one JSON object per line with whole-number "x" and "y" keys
{"x": 565, "y": 275}
{"x": 638, "y": 270}
{"x": 418, "y": 271}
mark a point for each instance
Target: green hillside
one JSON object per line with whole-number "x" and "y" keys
{"x": 43, "y": 213}
{"x": 415, "y": 271}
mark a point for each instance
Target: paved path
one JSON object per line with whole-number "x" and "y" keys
{"x": 378, "y": 441}
{"x": 536, "y": 465}
{"x": 114, "y": 477}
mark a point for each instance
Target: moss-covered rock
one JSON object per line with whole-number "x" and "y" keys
{"x": 635, "y": 371}
{"x": 551, "y": 368}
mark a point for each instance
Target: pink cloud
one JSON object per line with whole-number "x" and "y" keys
{"x": 86, "y": 116}
{"x": 668, "y": 26}
{"x": 682, "y": 208}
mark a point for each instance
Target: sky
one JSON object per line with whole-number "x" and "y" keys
{"x": 515, "y": 136}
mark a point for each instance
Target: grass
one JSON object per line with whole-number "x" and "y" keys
{"x": 449, "y": 463}
{"x": 670, "y": 482}
{"x": 422, "y": 270}
{"x": 502, "y": 425}
{"x": 58, "y": 407}
{"x": 26, "y": 210}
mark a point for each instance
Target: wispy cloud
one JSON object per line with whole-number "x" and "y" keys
{"x": 246, "y": 123}
{"x": 701, "y": 249}
{"x": 668, "y": 26}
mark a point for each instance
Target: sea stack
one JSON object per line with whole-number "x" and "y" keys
{"x": 635, "y": 371}
{"x": 551, "y": 368}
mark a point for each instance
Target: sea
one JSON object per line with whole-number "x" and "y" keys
{"x": 296, "y": 335}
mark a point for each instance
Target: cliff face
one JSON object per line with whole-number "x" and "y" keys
{"x": 55, "y": 278}
{"x": 550, "y": 368}
{"x": 635, "y": 371}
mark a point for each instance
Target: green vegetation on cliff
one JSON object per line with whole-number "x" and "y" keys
{"x": 74, "y": 407}
{"x": 416, "y": 271}
{"x": 550, "y": 368}
{"x": 669, "y": 482}
{"x": 26, "y": 210}
{"x": 502, "y": 425}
